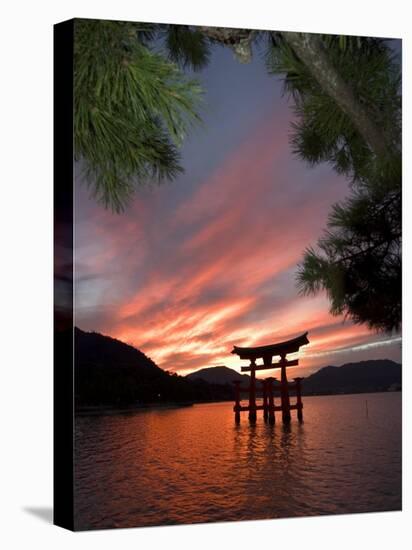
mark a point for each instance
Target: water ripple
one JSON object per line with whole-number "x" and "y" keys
{"x": 195, "y": 465}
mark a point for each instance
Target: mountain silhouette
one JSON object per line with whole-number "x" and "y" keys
{"x": 218, "y": 375}
{"x": 363, "y": 376}
{"x": 112, "y": 374}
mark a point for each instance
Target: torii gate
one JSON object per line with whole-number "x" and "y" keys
{"x": 266, "y": 353}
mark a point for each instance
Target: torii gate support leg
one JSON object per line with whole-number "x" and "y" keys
{"x": 236, "y": 408}
{"x": 299, "y": 399}
{"x": 284, "y": 392}
{"x": 252, "y": 396}
{"x": 265, "y": 400}
{"x": 271, "y": 401}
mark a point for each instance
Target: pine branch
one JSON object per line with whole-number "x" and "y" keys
{"x": 309, "y": 48}
{"x": 133, "y": 109}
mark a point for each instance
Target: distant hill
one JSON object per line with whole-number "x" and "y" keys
{"x": 363, "y": 376}
{"x": 110, "y": 373}
{"x": 92, "y": 348}
{"x": 218, "y": 375}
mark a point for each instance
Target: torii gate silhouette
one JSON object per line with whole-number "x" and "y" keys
{"x": 266, "y": 353}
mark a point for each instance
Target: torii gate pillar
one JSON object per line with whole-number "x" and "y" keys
{"x": 284, "y": 390}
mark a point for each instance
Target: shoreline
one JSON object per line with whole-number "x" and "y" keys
{"x": 106, "y": 411}
{"x": 103, "y": 410}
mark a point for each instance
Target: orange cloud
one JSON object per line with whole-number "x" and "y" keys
{"x": 185, "y": 284}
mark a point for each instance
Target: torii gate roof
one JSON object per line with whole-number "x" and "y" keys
{"x": 281, "y": 348}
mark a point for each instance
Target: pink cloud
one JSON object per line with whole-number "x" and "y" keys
{"x": 186, "y": 283}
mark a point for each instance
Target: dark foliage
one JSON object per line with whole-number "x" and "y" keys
{"x": 186, "y": 46}
{"x": 358, "y": 259}
{"x": 133, "y": 107}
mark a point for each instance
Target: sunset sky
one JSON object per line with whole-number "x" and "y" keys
{"x": 196, "y": 266}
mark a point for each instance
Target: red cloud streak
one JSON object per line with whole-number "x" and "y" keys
{"x": 185, "y": 284}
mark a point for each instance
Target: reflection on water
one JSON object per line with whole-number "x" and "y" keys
{"x": 196, "y": 465}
